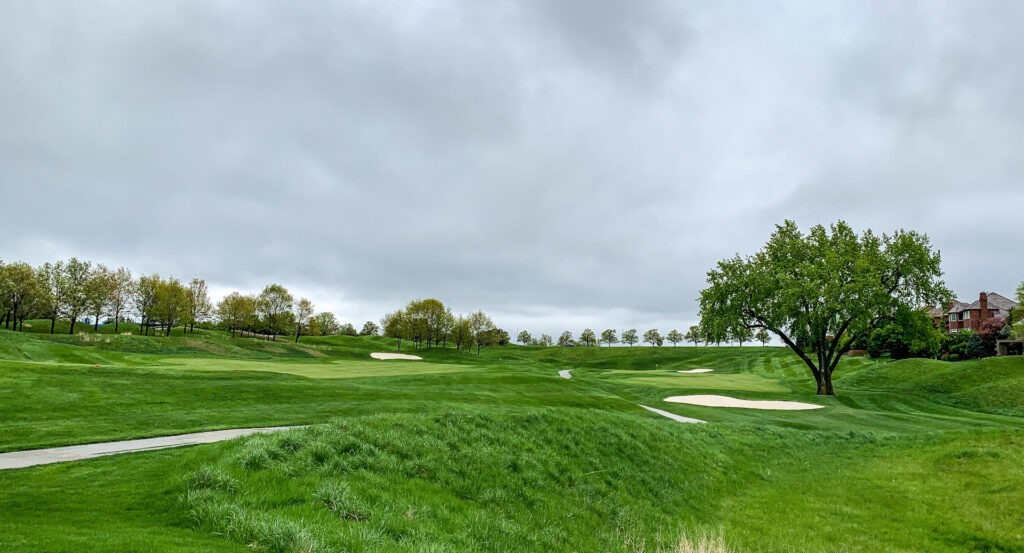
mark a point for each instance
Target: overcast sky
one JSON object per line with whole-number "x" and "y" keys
{"x": 556, "y": 164}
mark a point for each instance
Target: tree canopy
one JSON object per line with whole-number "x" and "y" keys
{"x": 820, "y": 291}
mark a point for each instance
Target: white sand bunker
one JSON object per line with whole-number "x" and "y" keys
{"x": 726, "y": 401}
{"x": 396, "y": 356}
{"x": 565, "y": 374}
{"x": 697, "y": 371}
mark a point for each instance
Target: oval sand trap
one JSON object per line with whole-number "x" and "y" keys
{"x": 565, "y": 374}
{"x": 726, "y": 401}
{"x": 396, "y": 356}
{"x": 697, "y": 371}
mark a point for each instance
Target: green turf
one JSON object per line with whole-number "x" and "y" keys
{"x": 494, "y": 452}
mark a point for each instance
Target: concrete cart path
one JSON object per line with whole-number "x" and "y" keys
{"x": 673, "y": 416}
{"x": 32, "y": 457}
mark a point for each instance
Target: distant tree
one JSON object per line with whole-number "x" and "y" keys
{"x": 20, "y": 289}
{"x": 122, "y": 288}
{"x": 99, "y": 286}
{"x": 274, "y": 305}
{"x": 199, "y": 306}
{"x": 347, "y": 329}
{"x": 653, "y": 337}
{"x": 498, "y": 337}
{"x": 232, "y": 313}
{"x": 762, "y": 336}
{"x": 144, "y": 300}
{"x": 370, "y": 328}
{"x": 565, "y": 339}
{"x": 546, "y": 340}
{"x": 462, "y": 333}
{"x": 742, "y": 334}
{"x": 608, "y": 336}
{"x": 587, "y": 338}
{"x": 324, "y": 324}
{"x": 393, "y": 325}
{"x": 171, "y": 303}
{"x": 53, "y": 288}
{"x": 629, "y": 337}
{"x": 822, "y": 291}
{"x": 693, "y": 335}
{"x": 674, "y": 336}
{"x": 429, "y": 320}
{"x": 303, "y": 314}
{"x": 524, "y": 338}
{"x": 481, "y": 325}
{"x": 76, "y": 297}
{"x": 910, "y": 333}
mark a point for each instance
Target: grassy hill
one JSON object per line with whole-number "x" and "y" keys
{"x": 495, "y": 452}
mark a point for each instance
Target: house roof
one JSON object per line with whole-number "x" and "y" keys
{"x": 995, "y": 301}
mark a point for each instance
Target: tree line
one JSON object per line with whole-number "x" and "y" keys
{"x": 696, "y": 334}
{"x": 429, "y": 323}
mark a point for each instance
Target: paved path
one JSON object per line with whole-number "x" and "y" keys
{"x": 673, "y": 416}
{"x": 565, "y": 374}
{"x": 32, "y": 457}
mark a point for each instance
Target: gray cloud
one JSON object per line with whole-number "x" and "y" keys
{"x": 558, "y": 164}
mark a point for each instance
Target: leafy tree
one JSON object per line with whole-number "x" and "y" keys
{"x": 370, "y": 328}
{"x": 236, "y": 311}
{"x": 76, "y": 295}
{"x": 674, "y": 336}
{"x": 820, "y": 291}
{"x": 429, "y": 320}
{"x": 608, "y": 336}
{"x": 480, "y": 325}
{"x": 347, "y": 329}
{"x": 53, "y": 287}
{"x": 199, "y": 305}
{"x": 910, "y": 333}
{"x": 587, "y": 337}
{"x": 524, "y": 338}
{"x": 170, "y": 304}
{"x": 565, "y": 339}
{"x": 742, "y": 334}
{"x": 629, "y": 337}
{"x": 546, "y": 340}
{"x": 498, "y": 336}
{"x": 303, "y": 314}
{"x": 99, "y": 287}
{"x": 324, "y": 324}
{"x": 20, "y": 288}
{"x": 144, "y": 299}
{"x": 393, "y": 325}
{"x": 762, "y": 336}
{"x": 274, "y": 306}
{"x": 462, "y": 333}
{"x": 122, "y": 288}
{"x": 653, "y": 337}
{"x": 693, "y": 335}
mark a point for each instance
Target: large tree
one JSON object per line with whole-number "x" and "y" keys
{"x": 608, "y": 336}
{"x": 629, "y": 337}
{"x": 303, "y": 315}
{"x": 481, "y": 325}
{"x": 76, "y": 296}
{"x": 524, "y": 338}
{"x": 693, "y": 335}
{"x": 170, "y": 304}
{"x": 674, "y": 336}
{"x": 122, "y": 286}
{"x": 588, "y": 338}
{"x": 98, "y": 288}
{"x": 144, "y": 299}
{"x": 820, "y": 291}
{"x": 274, "y": 306}
{"x": 21, "y": 288}
{"x": 370, "y": 328}
{"x": 199, "y": 305}
{"x": 653, "y": 337}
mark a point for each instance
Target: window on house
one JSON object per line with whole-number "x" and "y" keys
{"x": 966, "y": 315}
{"x": 952, "y": 317}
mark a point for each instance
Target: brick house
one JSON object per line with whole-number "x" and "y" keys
{"x": 960, "y": 316}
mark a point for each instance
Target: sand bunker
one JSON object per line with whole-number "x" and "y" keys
{"x": 564, "y": 374}
{"x": 697, "y": 371}
{"x": 673, "y": 416}
{"x": 725, "y": 401}
{"x": 396, "y": 356}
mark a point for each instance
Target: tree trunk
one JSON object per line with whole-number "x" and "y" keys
{"x": 72, "y": 330}
{"x": 96, "y": 323}
{"x": 824, "y": 380}
{"x": 117, "y": 319}
{"x": 53, "y": 323}
{"x": 297, "y": 329}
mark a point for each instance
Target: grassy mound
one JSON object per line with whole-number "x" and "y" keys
{"x": 548, "y": 480}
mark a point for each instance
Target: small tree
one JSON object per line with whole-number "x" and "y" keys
{"x": 462, "y": 333}
{"x": 170, "y": 304}
{"x": 394, "y": 326}
{"x": 144, "y": 299}
{"x": 274, "y": 306}
{"x": 324, "y": 324}
{"x": 76, "y": 297}
{"x": 370, "y": 328}
{"x": 99, "y": 286}
{"x": 303, "y": 312}
{"x": 565, "y": 339}
{"x": 629, "y": 337}
{"x": 609, "y": 337}
{"x": 546, "y": 340}
{"x": 653, "y": 337}
{"x": 524, "y": 338}
{"x": 123, "y": 286}
{"x": 674, "y": 336}
{"x": 693, "y": 335}
{"x": 742, "y": 334}
{"x": 199, "y": 305}
{"x": 762, "y": 336}
{"x": 481, "y": 325}
{"x": 587, "y": 337}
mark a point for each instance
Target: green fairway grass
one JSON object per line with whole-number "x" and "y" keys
{"x": 495, "y": 452}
